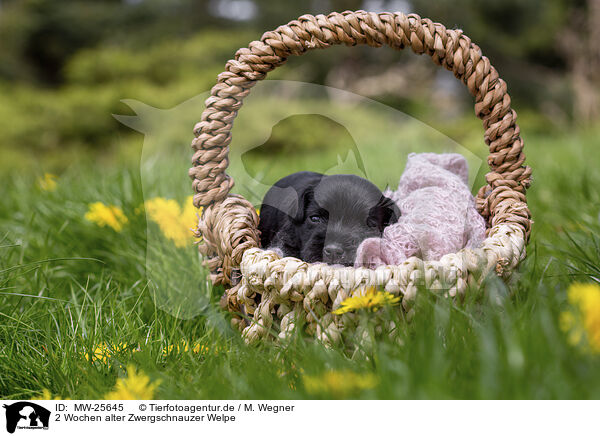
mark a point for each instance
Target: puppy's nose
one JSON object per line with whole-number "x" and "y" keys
{"x": 333, "y": 252}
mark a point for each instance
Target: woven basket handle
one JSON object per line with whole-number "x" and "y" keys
{"x": 502, "y": 200}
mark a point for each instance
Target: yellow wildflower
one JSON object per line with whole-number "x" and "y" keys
{"x": 106, "y": 215}
{"x": 176, "y": 224}
{"x": 582, "y": 320}
{"x": 293, "y": 373}
{"x": 339, "y": 384}
{"x": 201, "y": 349}
{"x": 137, "y": 386}
{"x": 47, "y": 395}
{"x": 190, "y": 213}
{"x": 48, "y": 182}
{"x": 184, "y": 348}
{"x": 103, "y": 352}
{"x": 367, "y": 298}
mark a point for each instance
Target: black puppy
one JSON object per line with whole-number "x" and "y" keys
{"x": 319, "y": 218}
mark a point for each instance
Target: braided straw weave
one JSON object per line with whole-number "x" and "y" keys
{"x": 275, "y": 292}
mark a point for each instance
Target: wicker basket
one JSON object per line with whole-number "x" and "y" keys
{"x": 272, "y": 292}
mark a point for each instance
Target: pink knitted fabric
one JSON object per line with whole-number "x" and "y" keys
{"x": 438, "y": 213}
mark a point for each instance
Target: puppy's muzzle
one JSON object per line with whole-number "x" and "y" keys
{"x": 336, "y": 254}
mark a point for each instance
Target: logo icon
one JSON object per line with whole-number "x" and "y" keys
{"x": 26, "y": 415}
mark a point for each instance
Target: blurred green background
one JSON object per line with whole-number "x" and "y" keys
{"x": 66, "y": 64}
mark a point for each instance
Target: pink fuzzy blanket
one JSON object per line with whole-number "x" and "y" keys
{"x": 438, "y": 213}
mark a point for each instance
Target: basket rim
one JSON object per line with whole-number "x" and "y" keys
{"x": 507, "y": 236}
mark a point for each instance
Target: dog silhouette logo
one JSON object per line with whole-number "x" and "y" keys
{"x": 335, "y": 135}
{"x": 26, "y": 415}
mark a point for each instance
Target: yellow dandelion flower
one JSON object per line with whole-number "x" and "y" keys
{"x": 293, "y": 375}
{"x": 136, "y": 386}
{"x": 339, "y": 384}
{"x": 201, "y": 349}
{"x": 582, "y": 320}
{"x": 106, "y": 215}
{"x": 103, "y": 352}
{"x": 184, "y": 348}
{"x": 175, "y": 349}
{"x": 190, "y": 214}
{"x": 47, "y": 395}
{"x": 176, "y": 224}
{"x": 48, "y": 182}
{"x": 367, "y": 298}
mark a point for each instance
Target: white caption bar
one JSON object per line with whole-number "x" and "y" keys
{"x": 299, "y": 417}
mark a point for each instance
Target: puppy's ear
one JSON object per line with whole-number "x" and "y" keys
{"x": 289, "y": 201}
{"x": 304, "y": 199}
{"x": 384, "y": 213}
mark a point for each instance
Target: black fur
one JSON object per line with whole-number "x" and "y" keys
{"x": 320, "y": 218}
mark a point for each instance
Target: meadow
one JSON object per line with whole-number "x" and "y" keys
{"x": 102, "y": 293}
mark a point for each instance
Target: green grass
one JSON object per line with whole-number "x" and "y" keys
{"x": 67, "y": 285}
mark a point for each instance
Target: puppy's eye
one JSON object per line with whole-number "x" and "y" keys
{"x": 372, "y": 222}
{"x": 316, "y": 219}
